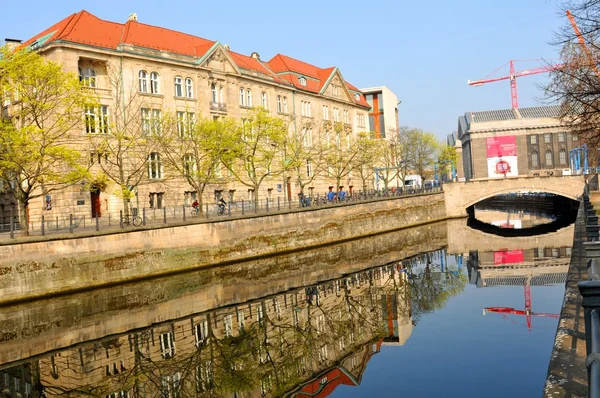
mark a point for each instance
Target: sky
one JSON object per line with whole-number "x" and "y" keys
{"x": 424, "y": 51}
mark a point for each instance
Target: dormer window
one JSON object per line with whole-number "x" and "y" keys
{"x": 357, "y": 96}
{"x": 302, "y": 80}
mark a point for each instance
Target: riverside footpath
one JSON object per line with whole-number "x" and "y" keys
{"x": 567, "y": 373}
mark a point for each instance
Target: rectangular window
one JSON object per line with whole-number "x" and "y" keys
{"x": 533, "y": 139}
{"x": 547, "y": 138}
{"x": 308, "y": 168}
{"x": 228, "y": 323}
{"x": 346, "y": 118}
{"x": 279, "y": 104}
{"x": 167, "y": 345}
{"x": 145, "y": 120}
{"x": 325, "y": 112}
{"x": 96, "y": 119}
{"x": 201, "y": 332}
{"x": 562, "y": 137}
{"x": 285, "y": 105}
{"x": 156, "y": 127}
{"x": 240, "y": 319}
{"x": 180, "y": 123}
{"x": 308, "y": 138}
{"x": 154, "y": 166}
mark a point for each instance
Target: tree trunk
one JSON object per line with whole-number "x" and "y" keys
{"x": 255, "y": 194}
{"x": 24, "y": 215}
{"x": 125, "y": 207}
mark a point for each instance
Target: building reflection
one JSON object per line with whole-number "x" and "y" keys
{"x": 521, "y": 267}
{"x": 303, "y": 342}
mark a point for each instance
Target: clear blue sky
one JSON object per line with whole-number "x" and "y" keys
{"x": 425, "y": 51}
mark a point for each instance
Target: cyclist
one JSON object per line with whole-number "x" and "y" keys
{"x": 222, "y": 205}
{"x": 196, "y": 205}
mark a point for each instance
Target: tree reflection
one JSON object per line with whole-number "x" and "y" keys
{"x": 275, "y": 346}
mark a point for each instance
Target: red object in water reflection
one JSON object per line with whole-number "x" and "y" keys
{"x": 527, "y": 311}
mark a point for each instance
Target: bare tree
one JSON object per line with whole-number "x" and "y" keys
{"x": 124, "y": 144}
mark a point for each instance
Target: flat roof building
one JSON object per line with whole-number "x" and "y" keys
{"x": 383, "y": 115}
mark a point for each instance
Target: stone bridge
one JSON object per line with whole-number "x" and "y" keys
{"x": 461, "y": 195}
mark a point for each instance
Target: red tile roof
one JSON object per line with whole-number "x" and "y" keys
{"x": 86, "y": 28}
{"x": 291, "y": 69}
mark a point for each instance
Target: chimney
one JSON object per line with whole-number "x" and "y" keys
{"x": 132, "y": 17}
{"x": 255, "y": 55}
{"x": 11, "y": 44}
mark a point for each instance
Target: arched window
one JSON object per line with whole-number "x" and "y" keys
{"x": 249, "y": 98}
{"x": 562, "y": 155}
{"x": 154, "y": 83}
{"x": 549, "y": 160}
{"x": 279, "y": 107}
{"x": 242, "y": 96}
{"x": 535, "y": 159}
{"x": 178, "y": 87}
{"x": 213, "y": 93}
{"x": 88, "y": 77}
{"x": 189, "y": 88}
{"x": 302, "y": 81}
{"x": 143, "y": 77}
{"x": 263, "y": 100}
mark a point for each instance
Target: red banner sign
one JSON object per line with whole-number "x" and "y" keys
{"x": 501, "y": 146}
{"x": 508, "y": 257}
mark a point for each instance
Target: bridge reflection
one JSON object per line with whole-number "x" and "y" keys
{"x": 536, "y": 214}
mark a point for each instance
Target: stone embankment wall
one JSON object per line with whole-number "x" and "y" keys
{"x": 39, "y": 269}
{"x": 35, "y": 328}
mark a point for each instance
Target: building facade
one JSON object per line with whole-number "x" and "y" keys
{"x": 383, "y": 115}
{"x": 514, "y": 142}
{"x": 162, "y": 70}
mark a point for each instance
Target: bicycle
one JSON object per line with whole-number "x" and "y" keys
{"x": 135, "y": 220}
{"x": 221, "y": 210}
{"x": 194, "y": 211}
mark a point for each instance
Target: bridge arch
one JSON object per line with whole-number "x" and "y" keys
{"x": 460, "y": 196}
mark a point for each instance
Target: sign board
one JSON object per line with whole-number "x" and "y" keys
{"x": 502, "y": 156}
{"x": 508, "y": 257}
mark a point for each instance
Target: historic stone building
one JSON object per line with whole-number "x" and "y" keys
{"x": 510, "y": 142}
{"x": 170, "y": 71}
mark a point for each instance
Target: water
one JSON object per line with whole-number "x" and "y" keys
{"x": 398, "y": 314}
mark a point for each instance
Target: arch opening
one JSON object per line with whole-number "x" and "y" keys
{"x": 522, "y": 214}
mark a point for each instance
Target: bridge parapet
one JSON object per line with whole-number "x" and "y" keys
{"x": 461, "y": 195}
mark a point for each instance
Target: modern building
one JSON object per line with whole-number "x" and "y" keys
{"x": 513, "y": 142}
{"x": 171, "y": 71}
{"x": 383, "y": 115}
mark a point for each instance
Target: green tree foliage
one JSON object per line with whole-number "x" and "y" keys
{"x": 46, "y": 104}
{"x": 447, "y": 159}
{"x": 304, "y": 152}
{"x": 340, "y": 154}
{"x": 258, "y": 148}
{"x": 197, "y": 152}
{"x": 369, "y": 152}
{"x": 421, "y": 151}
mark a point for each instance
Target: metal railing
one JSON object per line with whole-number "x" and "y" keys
{"x": 590, "y": 291}
{"x": 186, "y": 214}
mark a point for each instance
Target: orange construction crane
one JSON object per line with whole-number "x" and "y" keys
{"x": 582, "y": 42}
{"x": 512, "y": 77}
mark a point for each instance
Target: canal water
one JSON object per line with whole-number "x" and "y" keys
{"x": 414, "y": 313}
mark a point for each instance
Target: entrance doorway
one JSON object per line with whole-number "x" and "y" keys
{"x": 95, "y": 200}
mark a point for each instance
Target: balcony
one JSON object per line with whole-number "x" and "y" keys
{"x": 98, "y": 91}
{"x": 218, "y": 107}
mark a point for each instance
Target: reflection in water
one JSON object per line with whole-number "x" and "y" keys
{"x": 301, "y": 325}
{"x": 531, "y": 267}
{"x": 522, "y": 214}
{"x": 301, "y": 342}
